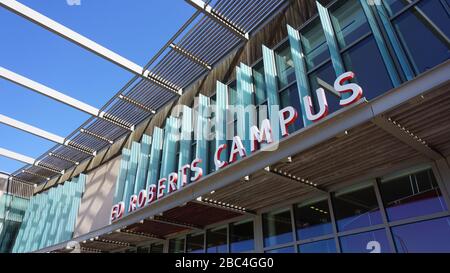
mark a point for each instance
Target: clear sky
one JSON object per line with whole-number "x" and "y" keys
{"x": 135, "y": 29}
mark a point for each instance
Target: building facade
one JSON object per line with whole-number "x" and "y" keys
{"x": 350, "y": 162}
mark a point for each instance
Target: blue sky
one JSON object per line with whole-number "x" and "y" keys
{"x": 135, "y": 29}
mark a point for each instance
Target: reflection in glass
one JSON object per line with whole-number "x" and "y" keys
{"x": 430, "y": 236}
{"x": 289, "y": 97}
{"x": 277, "y": 227}
{"x": 326, "y": 74}
{"x": 290, "y": 249}
{"x": 364, "y": 59}
{"x": 195, "y": 243}
{"x": 241, "y": 236}
{"x": 216, "y": 240}
{"x": 411, "y": 195}
{"x": 349, "y": 22}
{"x": 425, "y": 46}
{"x": 368, "y": 242}
{"x": 285, "y": 67}
{"x": 356, "y": 207}
{"x": 176, "y": 245}
{"x": 157, "y": 248}
{"x": 312, "y": 219}
{"x": 327, "y": 246}
{"x": 314, "y": 44}
{"x": 394, "y": 6}
{"x": 260, "y": 84}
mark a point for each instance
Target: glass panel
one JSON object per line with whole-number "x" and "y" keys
{"x": 327, "y": 246}
{"x": 176, "y": 245}
{"x": 289, "y": 97}
{"x": 260, "y": 84}
{"x": 157, "y": 248}
{"x": 241, "y": 236}
{"x": 217, "y": 240}
{"x": 285, "y": 67}
{"x": 412, "y": 195}
{"x": 369, "y": 242}
{"x": 325, "y": 73}
{"x": 356, "y": 207}
{"x": 394, "y": 6}
{"x": 314, "y": 44}
{"x": 365, "y": 60}
{"x": 290, "y": 249}
{"x": 195, "y": 243}
{"x": 425, "y": 47}
{"x": 430, "y": 236}
{"x": 349, "y": 21}
{"x": 436, "y": 13}
{"x": 312, "y": 219}
{"x": 143, "y": 249}
{"x": 277, "y": 227}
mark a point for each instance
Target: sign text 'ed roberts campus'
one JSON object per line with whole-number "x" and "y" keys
{"x": 257, "y": 136}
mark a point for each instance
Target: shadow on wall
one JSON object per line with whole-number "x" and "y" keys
{"x": 98, "y": 197}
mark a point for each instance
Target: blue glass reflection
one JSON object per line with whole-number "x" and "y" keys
{"x": 430, "y": 236}
{"x": 289, "y": 97}
{"x": 366, "y": 62}
{"x": 369, "y": 242}
{"x": 327, "y": 246}
{"x": 327, "y": 74}
{"x": 423, "y": 44}
{"x": 241, "y": 237}
{"x": 283, "y": 250}
{"x": 277, "y": 228}
{"x": 394, "y": 6}
{"x": 359, "y": 221}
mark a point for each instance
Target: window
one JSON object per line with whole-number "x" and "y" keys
{"x": 176, "y": 245}
{"x": 326, "y": 74}
{"x": 289, "y": 97}
{"x": 260, "y": 84}
{"x": 313, "y": 219}
{"x": 368, "y": 242}
{"x": 195, "y": 243}
{"x": 314, "y": 44}
{"x": 277, "y": 227}
{"x": 290, "y": 249}
{"x": 364, "y": 59}
{"x": 326, "y": 246}
{"x": 430, "y": 236}
{"x": 217, "y": 240}
{"x": 356, "y": 207}
{"x": 424, "y": 33}
{"x": 285, "y": 67}
{"x": 411, "y": 195}
{"x": 157, "y": 248}
{"x": 349, "y": 22}
{"x": 241, "y": 236}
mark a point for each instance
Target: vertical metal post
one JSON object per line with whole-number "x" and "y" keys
{"x": 376, "y": 185}
{"x": 330, "y": 36}
{"x": 333, "y": 222}
{"x": 300, "y": 70}
{"x": 155, "y": 156}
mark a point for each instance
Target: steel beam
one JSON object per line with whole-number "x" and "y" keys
{"x": 94, "y": 135}
{"x": 41, "y": 133}
{"x": 190, "y": 56}
{"x": 137, "y": 104}
{"x": 31, "y": 129}
{"x": 60, "y": 97}
{"x": 279, "y": 174}
{"x": 17, "y": 156}
{"x": 209, "y": 11}
{"x": 299, "y": 141}
{"x": 164, "y": 220}
{"x": 72, "y": 36}
{"x": 48, "y": 92}
{"x": 404, "y": 135}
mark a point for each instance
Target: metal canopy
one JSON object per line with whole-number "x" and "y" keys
{"x": 215, "y": 30}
